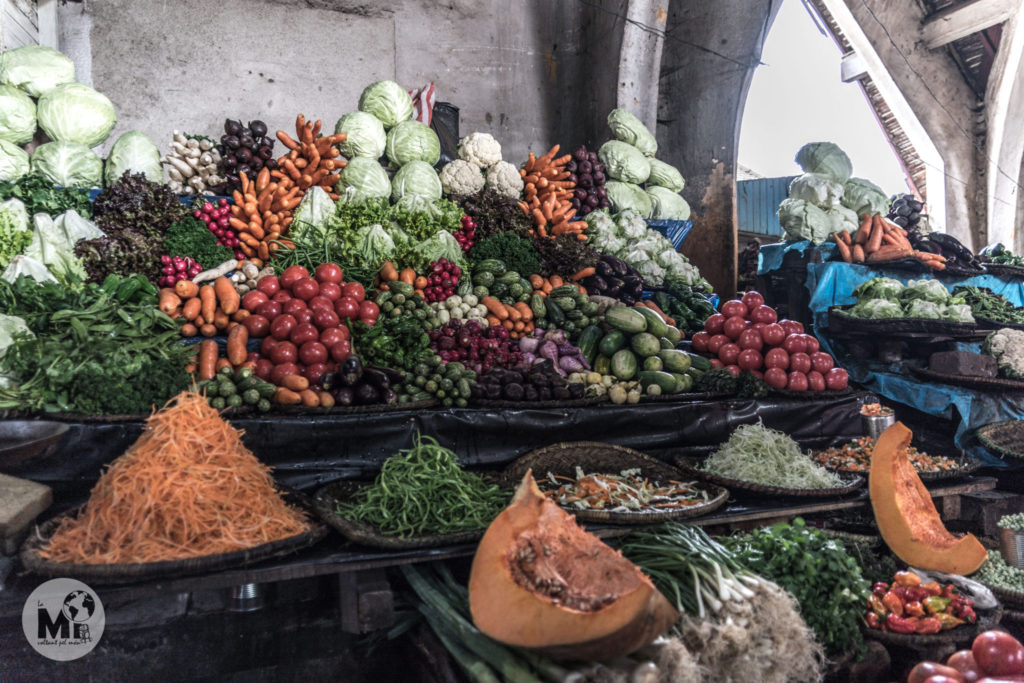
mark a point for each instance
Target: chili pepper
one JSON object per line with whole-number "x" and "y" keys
{"x": 968, "y": 615}
{"x": 872, "y": 620}
{"x": 948, "y": 621}
{"x": 934, "y": 604}
{"x": 928, "y": 625}
{"x": 876, "y": 606}
{"x": 880, "y": 588}
{"x": 898, "y": 624}
{"x": 932, "y": 588}
{"x": 949, "y": 591}
{"x": 913, "y": 609}
{"x": 893, "y": 603}
{"x": 906, "y": 579}
{"x": 903, "y": 593}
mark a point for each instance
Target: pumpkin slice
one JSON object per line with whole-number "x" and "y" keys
{"x": 540, "y": 581}
{"x": 906, "y": 514}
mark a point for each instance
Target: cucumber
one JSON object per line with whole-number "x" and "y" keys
{"x": 465, "y": 287}
{"x": 555, "y": 314}
{"x": 492, "y": 265}
{"x": 683, "y": 382}
{"x": 673, "y": 335}
{"x": 653, "y": 363}
{"x": 655, "y": 323}
{"x": 645, "y": 344}
{"x": 566, "y": 303}
{"x": 603, "y": 365}
{"x": 625, "y": 319}
{"x": 665, "y": 343}
{"x": 664, "y": 380}
{"x": 484, "y": 278}
{"x": 675, "y": 361}
{"x": 510, "y": 278}
{"x": 588, "y": 342}
{"x": 399, "y": 287}
{"x": 537, "y": 306}
{"x": 480, "y": 292}
{"x": 699, "y": 363}
{"x": 623, "y": 364}
{"x": 498, "y": 289}
{"x": 563, "y": 290}
{"x": 611, "y": 342}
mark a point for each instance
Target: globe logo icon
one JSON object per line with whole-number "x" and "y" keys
{"x": 78, "y": 606}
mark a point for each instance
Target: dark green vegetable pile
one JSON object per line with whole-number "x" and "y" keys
{"x": 40, "y": 196}
{"x": 494, "y": 214}
{"x": 516, "y": 252}
{"x": 988, "y": 305}
{"x": 564, "y": 255}
{"x": 191, "y": 238}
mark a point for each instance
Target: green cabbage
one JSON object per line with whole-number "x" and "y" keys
{"x": 877, "y": 308}
{"x": 365, "y": 136}
{"x": 312, "y": 213}
{"x": 13, "y": 161}
{"x": 134, "y": 152}
{"x": 441, "y": 245}
{"x": 412, "y": 141}
{"x": 624, "y": 196}
{"x": 843, "y": 219}
{"x": 416, "y": 177}
{"x": 35, "y": 69}
{"x": 667, "y": 205}
{"x": 628, "y": 128}
{"x": 66, "y": 164}
{"x": 374, "y": 246}
{"x": 804, "y": 221}
{"x": 53, "y": 243}
{"x": 15, "y": 231}
{"x": 17, "y": 115}
{"x": 957, "y": 313}
{"x": 879, "y": 288}
{"x": 365, "y": 176}
{"x": 665, "y": 175}
{"x": 925, "y": 290}
{"x": 388, "y": 101}
{"x": 825, "y": 158}
{"x": 863, "y": 196}
{"x": 817, "y": 189}
{"x": 76, "y": 113}
{"x": 624, "y": 162}
{"x": 919, "y": 308}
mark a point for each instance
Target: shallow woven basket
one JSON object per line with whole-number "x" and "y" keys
{"x": 1003, "y": 438}
{"x": 839, "y": 321}
{"x": 851, "y": 485}
{"x": 968, "y": 381}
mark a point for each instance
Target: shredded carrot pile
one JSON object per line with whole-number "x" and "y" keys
{"x": 187, "y": 488}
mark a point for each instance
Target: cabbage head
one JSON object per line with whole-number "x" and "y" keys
{"x": 412, "y": 141}
{"x": 374, "y": 245}
{"x": 66, "y": 164}
{"x": 863, "y": 196}
{"x": 817, "y": 189}
{"x": 879, "y": 288}
{"x": 13, "y": 161}
{"x": 133, "y": 152}
{"x": 416, "y": 177}
{"x": 36, "y": 69}
{"x": 919, "y": 308}
{"x": 442, "y": 244}
{"x": 665, "y": 175}
{"x": 388, "y": 101}
{"x": 364, "y": 135}
{"x": 76, "y": 113}
{"x": 825, "y": 158}
{"x": 312, "y": 213}
{"x": 877, "y": 308}
{"x": 624, "y": 162}
{"x": 957, "y": 313}
{"x": 17, "y": 115}
{"x": 366, "y": 177}
{"x": 804, "y": 221}
{"x": 667, "y": 205}
{"x": 623, "y": 196}
{"x": 843, "y": 219}
{"x": 628, "y": 128}
{"x": 925, "y": 290}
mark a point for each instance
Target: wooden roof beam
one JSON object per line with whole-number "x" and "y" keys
{"x": 960, "y": 21}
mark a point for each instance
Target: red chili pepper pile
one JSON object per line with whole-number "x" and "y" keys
{"x": 908, "y": 606}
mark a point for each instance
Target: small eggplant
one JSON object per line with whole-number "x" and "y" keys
{"x": 604, "y": 269}
{"x": 389, "y": 397}
{"x": 376, "y": 378}
{"x": 366, "y": 394}
{"x": 344, "y": 396}
{"x": 351, "y": 372}
{"x": 514, "y": 392}
{"x": 394, "y": 376}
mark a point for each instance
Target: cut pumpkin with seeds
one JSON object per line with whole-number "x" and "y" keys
{"x": 906, "y": 514}
{"x": 540, "y": 581}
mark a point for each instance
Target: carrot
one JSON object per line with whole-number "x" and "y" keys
{"x": 287, "y": 397}
{"x": 492, "y": 320}
{"x": 295, "y": 382}
{"x": 844, "y": 251}
{"x": 585, "y": 272}
{"x": 513, "y": 313}
{"x": 207, "y": 361}
{"x": 874, "y": 242}
{"x": 858, "y": 253}
{"x": 864, "y": 230}
{"x": 524, "y": 311}
{"x": 495, "y": 307}
{"x": 208, "y": 330}
{"x": 326, "y": 399}
{"x": 420, "y": 293}
{"x": 208, "y": 297}
{"x": 240, "y": 315}
{"x": 186, "y": 289}
{"x": 226, "y": 295}
{"x": 408, "y": 275}
{"x": 546, "y": 288}
{"x": 508, "y": 325}
{"x": 536, "y": 281}
{"x": 168, "y": 300}
{"x": 310, "y": 398}
{"x": 555, "y": 281}
{"x": 844, "y": 236}
{"x": 519, "y": 326}
{"x": 189, "y": 330}
{"x": 237, "y": 339}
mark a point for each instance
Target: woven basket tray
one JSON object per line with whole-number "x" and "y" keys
{"x": 1004, "y": 270}
{"x": 1004, "y": 438}
{"x": 968, "y": 381}
{"x": 852, "y": 484}
{"x": 839, "y": 322}
{"x": 961, "y": 636}
{"x": 593, "y": 456}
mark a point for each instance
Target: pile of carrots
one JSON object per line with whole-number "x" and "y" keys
{"x": 188, "y": 487}
{"x": 879, "y": 241}
{"x": 548, "y": 194}
{"x": 207, "y": 309}
{"x": 544, "y": 285}
{"x": 517, "y": 318}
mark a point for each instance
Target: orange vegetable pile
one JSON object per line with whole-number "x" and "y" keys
{"x": 187, "y": 487}
{"x": 879, "y": 241}
{"x": 206, "y": 309}
{"x": 548, "y": 194}
{"x": 516, "y": 318}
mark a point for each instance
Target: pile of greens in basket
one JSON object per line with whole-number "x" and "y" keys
{"x": 998, "y": 574}
{"x": 424, "y": 490}
{"x": 884, "y": 297}
{"x": 987, "y": 304}
{"x": 765, "y": 456}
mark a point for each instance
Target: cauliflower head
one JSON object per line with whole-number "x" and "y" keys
{"x": 461, "y": 178}
{"x": 480, "y": 149}
{"x": 504, "y": 179}
{"x": 1007, "y": 347}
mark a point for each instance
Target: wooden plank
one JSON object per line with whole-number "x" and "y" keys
{"x": 959, "y": 21}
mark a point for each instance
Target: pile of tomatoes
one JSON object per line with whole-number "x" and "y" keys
{"x": 302, "y": 321}
{"x": 748, "y": 335}
{"x": 994, "y": 656}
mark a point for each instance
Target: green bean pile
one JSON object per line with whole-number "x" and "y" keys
{"x": 995, "y": 572}
{"x": 423, "y": 490}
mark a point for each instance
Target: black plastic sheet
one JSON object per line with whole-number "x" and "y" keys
{"x": 307, "y": 452}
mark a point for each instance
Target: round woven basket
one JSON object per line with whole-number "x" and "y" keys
{"x": 1003, "y": 438}
{"x": 851, "y": 484}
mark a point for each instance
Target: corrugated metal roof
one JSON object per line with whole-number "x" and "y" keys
{"x": 757, "y": 202}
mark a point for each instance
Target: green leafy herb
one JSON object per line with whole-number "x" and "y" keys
{"x": 191, "y": 238}
{"x": 40, "y": 196}
{"x": 517, "y": 252}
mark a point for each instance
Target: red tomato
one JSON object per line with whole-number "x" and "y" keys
{"x": 700, "y": 341}
{"x": 791, "y": 326}
{"x": 266, "y": 346}
{"x": 329, "y": 272}
{"x": 312, "y": 352}
{"x": 811, "y": 342}
{"x": 924, "y": 670}
{"x": 822, "y": 362}
{"x": 369, "y": 312}
{"x": 283, "y": 296}
{"x": 291, "y": 306}
{"x": 303, "y": 332}
{"x": 750, "y": 339}
{"x": 306, "y": 288}
{"x": 346, "y": 307}
{"x": 284, "y": 352}
{"x": 716, "y": 364}
{"x": 734, "y": 308}
{"x": 776, "y": 378}
{"x": 257, "y": 325}
{"x": 269, "y": 285}
{"x": 758, "y": 374}
{"x": 836, "y": 379}
{"x": 325, "y": 318}
{"x": 773, "y": 334}
{"x": 354, "y": 290}
{"x": 270, "y": 310}
{"x": 304, "y": 316}
{"x": 729, "y": 353}
{"x": 734, "y": 370}
{"x": 283, "y": 370}
{"x": 282, "y": 326}
{"x": 750, "y": 359}
{"x": 252, "y": 357}
{"x": 764, "y": 314}
{"x": 797, "y": 381}
{"x": 963, "y": 661}
{"x": 734, "y": 325}
{"x": 815, "y": 381}
{"x": 713, "y": 325}
{"x": 291, "y": 275}
{"x": 331, "y": 290}
{"x": 314, "y": 372}
{"x": 998, "y": 653}
{"x": 716, "y": 342}
{"x": 758, "y": 326}
{"x": 341, "y": 350}
{"x": 941, "y": 678}
{"x": 776, "y": 358}
{"x": 263, "y": 369}
{"x": 800, "y": 362}
{"x": 320, "y": 301}
{"x": 752, "y": 300}
{"x": 252, "y": 300}
{"x": 794, "y": 343}
{"x": 332, "y": 335}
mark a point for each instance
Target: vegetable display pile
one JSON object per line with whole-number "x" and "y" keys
{"x": 856, "y": 457}
{"x": 1013, "y": 522}
{"x": 878, "y": 241}
{"x": 217, "y": 218}
{"x": 40, "y": 196}
{"x": 480, "y": 347}
{"x": 193, "y": 165}
{"x": 236, "y": 389}
{"x": 190, "y": 238}
{"x": 626, "y": 491}
{"x": 996, "y": 572}
{"x": 988, "y": 305}
{"x": 1007, "y": 347}
{"x": 993, "y": 656}
{"x": 884, "y": 297}
{"x": 424, "y": 490}
{"x": 548, "y": 195}
{"x": 1000, "y": 254}
{"x": 538, "y": 382}
{"x": 242, "y": 149}
{"x": 911, "y": 606}
{"x": 765, "y": 456}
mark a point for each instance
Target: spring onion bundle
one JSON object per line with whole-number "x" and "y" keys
{"x": 765, "y": 456}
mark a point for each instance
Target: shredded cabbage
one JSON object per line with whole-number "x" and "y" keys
{"x": 765, "y": 456}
